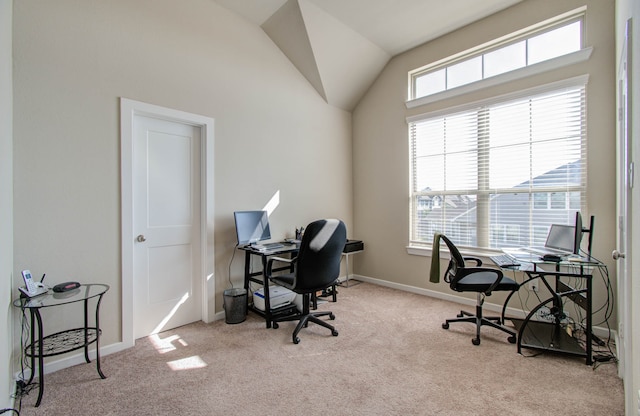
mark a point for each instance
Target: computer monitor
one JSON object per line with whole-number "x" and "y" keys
{"x": 560, "y": 237}
{"x": 252, "y": 226}
{"x": 579, "y": 231}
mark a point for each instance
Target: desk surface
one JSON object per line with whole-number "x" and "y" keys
{"x": 286, "y": 248}
{"x": 52, "y": 298}
{"x": 526, "y": 259}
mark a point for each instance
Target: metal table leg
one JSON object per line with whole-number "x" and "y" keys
{"x": 345, "y": 282}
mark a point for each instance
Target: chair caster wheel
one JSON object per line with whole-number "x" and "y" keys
{"x": 445, "y": 325}
{"x": 275, "y": 325}
{"x": 475, "y": 341}
{"x": 512, "y": 339}
{"x": 332, "y": 316}
{"x": 296, "y": 340}
{"x": 334, "y": 333}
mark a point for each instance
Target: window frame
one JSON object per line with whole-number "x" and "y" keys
{"x": 580, "y": 81}
{"x": 521, "y": 72}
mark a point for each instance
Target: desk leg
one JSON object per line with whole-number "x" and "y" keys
{"x": 247, "y": 272}
{"x": 265, "y": 285}
{"x": 589, "y": 322}
{"x": 33, "y": 346}
{"x": 506, "y": 301}
{"x": 86, "y": 335}
{"x": 86, "y": 332}
{"x": 40, "y": 357}
{"x": 98, "y": 338}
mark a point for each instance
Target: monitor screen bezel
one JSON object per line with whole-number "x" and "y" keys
{"x": 561, "y": 237}
{"x": 252, "y": 226}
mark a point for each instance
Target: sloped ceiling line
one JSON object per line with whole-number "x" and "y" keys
{"x": 287, "y": 29}
{"x": 336, "y": 60}
{"x": 341, "y": 46}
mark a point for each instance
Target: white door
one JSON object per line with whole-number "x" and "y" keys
{"x": 625, "y": 185}
{"x": 167, "y": 280}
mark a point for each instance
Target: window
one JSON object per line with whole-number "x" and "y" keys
{"x": 549, "y": 40}
{"x": 498, "y": 173}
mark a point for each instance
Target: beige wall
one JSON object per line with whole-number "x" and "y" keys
{"x": 73, "y": 59}
{"x": 6, "y": 205}
{"x": 380, "y": 141}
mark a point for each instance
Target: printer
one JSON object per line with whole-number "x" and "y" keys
{"x": 278, "y": 296}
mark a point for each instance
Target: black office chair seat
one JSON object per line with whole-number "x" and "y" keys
{"x": 481, "y": 280}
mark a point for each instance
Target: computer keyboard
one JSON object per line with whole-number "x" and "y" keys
{"x": 505, "y": 260}
{"x": 268, "y": 246}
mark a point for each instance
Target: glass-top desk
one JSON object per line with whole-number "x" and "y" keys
{"x": 555, "y": 276}
{"x": 261, "y": 278}
{"x": 64, "y": 341}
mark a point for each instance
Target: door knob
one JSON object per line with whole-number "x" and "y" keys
{"x": 141, "y": 239}
{"x": 617, "y": 255}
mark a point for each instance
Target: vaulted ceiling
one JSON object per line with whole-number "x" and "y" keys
{"x": 341, "y": 46}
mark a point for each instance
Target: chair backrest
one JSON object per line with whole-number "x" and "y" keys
{"x": 455, "y": 264}
{"x": 318, "y": 261}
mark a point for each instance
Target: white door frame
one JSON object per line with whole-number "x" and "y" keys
{"x": 626, "y": 342}
{"x": 129, "y": 109}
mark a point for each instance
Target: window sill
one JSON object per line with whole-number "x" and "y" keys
{"x": 560, "y": 62}
{"x": 426, "y": 251}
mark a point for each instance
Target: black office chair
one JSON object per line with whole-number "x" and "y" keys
{"x": 316, "y": 267}
{"x": 483, "y": 281}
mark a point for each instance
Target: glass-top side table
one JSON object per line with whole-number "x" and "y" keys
{"x": 64, "y": 341}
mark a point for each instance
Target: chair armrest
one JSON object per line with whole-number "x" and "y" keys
{"x": 278, "y": 259}
{"x": 474, "y": 259}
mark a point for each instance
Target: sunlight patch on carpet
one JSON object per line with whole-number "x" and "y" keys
{"x": 164, "y": 345}
{"x": 189, "y": 363}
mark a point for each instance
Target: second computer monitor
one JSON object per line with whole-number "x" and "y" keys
{"x": 580, "y": 230}
{"x": 577, "y": 239}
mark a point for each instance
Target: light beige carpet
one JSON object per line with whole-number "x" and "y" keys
{"x": 392, "y": 357}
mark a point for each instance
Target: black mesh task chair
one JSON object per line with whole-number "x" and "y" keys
{"x": 316, "y": 267}
{"x": 483, "y": 281}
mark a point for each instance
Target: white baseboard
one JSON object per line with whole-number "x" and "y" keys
{"x": 78, "y": 358}
{"x": 75, "y": 359}
{"x": 601, "y": 332}
{"x": 219, "y": 315}
{"x": 52, "y": 366}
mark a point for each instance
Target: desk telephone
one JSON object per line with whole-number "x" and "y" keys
{"x": 32, "y": 288}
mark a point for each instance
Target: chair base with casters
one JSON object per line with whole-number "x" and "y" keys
{"x": 480, "y": 321}
{"x": 305, "y": 317}
{"x": 472, "y": 278}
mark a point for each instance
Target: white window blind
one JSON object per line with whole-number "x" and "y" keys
{"x": 498, "y": 174}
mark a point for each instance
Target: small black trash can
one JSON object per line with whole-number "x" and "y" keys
{"x": 235, "y": 305}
